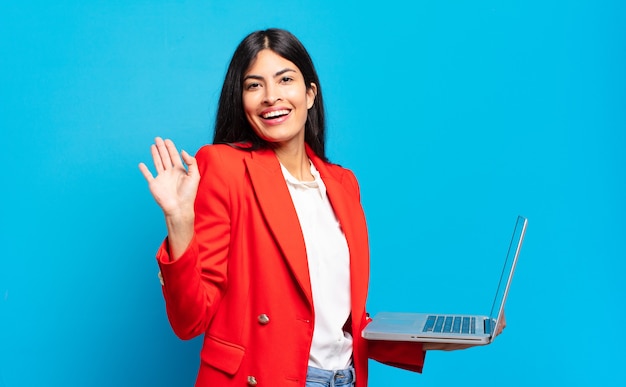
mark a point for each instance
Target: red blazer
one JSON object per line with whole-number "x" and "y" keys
{"x": 243, "y": 281}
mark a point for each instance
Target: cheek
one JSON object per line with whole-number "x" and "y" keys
{"x": 249, "y": 105}
{"x": 245, "y": 100}
{"x": 299, "y": 98}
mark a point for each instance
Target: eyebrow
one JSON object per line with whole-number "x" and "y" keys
{"x": 279, "y": 73}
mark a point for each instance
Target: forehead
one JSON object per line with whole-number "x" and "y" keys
{"x": 267, "y": 61}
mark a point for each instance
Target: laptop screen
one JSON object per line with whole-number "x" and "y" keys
{"x": 497, "y": 308}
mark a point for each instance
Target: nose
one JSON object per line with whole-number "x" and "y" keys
{"x": 271, "y": 95}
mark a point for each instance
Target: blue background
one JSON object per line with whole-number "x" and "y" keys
{"x": 456, "y": 117}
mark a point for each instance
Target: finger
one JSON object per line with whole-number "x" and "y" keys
{"x": 156, "y": 159}
{"x": 146, "y": 172}
{"x": 163, "y": 153}
{"x": 173, "y": 153}
{"x": 192, "y": 166}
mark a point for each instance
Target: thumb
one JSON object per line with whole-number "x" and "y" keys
{"x": 192, "y": 166}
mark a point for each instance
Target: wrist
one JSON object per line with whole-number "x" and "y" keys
{"x": 180, "y": 230}
{"x": 179, "y": 218}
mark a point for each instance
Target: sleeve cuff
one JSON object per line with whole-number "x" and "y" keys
{"x": 173, "y": 269}
{"x": 401, "y": 354}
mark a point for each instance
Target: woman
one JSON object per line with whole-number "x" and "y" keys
{"x": 267, "y": 253}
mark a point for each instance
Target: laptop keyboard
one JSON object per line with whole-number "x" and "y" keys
{"x": 450, "y": 324}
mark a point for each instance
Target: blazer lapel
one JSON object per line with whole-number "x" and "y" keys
{"x": 347, "y": 207}
{"x": 277, "y": 207}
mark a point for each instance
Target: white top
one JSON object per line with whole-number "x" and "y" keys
{"x": 329, "y": 269}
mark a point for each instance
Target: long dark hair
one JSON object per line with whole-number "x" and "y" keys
{"x": 231, "y": 125}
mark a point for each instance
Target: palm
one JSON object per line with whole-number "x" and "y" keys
{"x": 174, "y": 187}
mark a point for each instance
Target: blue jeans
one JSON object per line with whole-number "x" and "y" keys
{"x": 316, "y": 377}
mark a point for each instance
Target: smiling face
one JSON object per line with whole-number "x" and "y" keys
{"x": 276, "y": 100}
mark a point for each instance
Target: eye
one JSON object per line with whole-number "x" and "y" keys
{"x": 286, "y": 79}
{"x": 252, "y": 86}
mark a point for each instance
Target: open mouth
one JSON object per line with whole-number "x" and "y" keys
{"x": 275, "y": 114}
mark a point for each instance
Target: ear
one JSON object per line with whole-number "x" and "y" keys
{"x": 311, "y": 93}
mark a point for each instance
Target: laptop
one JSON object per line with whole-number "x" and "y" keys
{"x": 451, "y": 328}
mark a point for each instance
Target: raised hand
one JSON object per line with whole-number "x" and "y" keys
{"x": 174, "y": 189}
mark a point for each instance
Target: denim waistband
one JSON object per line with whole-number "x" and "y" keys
{"x": 334, "y": 378}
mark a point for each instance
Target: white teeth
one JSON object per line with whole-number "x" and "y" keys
{"x": 275, "y": 113}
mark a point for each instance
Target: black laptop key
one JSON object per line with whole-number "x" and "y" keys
{"x": 450, "y": 324}
{"x": 465, "y": 325}
{"x": 489, "y": 325}
{"x": 447, "y": 325}
{"x": 456, "y": 326}
{"x": 430, "y": 324}
{"x": 439, "y": 323}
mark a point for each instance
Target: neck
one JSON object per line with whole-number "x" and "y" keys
{"x": 295, "y": 159}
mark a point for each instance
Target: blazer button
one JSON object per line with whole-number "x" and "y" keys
{"x": 252, "y": 381}
{"x": 263, "y": 319}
